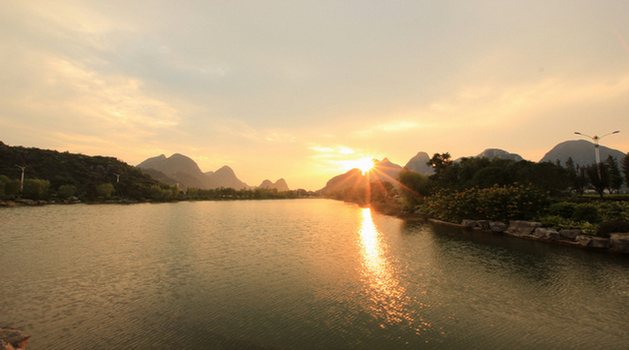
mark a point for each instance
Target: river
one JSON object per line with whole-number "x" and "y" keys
{"x": 295, "y": 274}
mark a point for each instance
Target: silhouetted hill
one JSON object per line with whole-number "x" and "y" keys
{"x": 225, "y": 177}
{"x": 186, "y": 172}
{"x": 352, "y": 178}
{"x": 419, "y": 164}
{"x": 492, "y": 153}
{"x": 180, "y": 168}
{"x": 384, "y": 171}
{"x": 159, "y": 176}
{"x": 81, "y": 171}
{"x": 279, "y": 185}
{"x": 581, "y": 151}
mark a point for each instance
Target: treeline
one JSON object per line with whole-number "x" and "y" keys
{"x": 365, "y": 193}
{"x": 481, "y": 172}
{"x": 230, "y": 193}
{"x": 61, "y": 175}
{"x": 505, "y": 190}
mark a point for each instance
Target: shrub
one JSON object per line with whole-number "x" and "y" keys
{"x": 66, "y": 191}
{"x": 612, "y": 211}
{"x": 586, "y": 212}
{"x": 504, "y": 203}
{"x": 35, "y": 188}
{"x": 617, "y": 226}
{"x": 563, "y": 209}
{"x": 559, "y": 223}
{"x": 105, "y": 190}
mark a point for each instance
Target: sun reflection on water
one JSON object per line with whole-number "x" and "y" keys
{"x": 389, "y": 299}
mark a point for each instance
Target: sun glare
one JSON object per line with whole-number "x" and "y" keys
{"x": 364, "y": 164}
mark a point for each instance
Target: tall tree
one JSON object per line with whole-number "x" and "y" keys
{"x": 625, "y": 168}
{"x": 615, "y": 177}
{"x": 413, "y": 187}
{"x": 440, "y": 161}
{"x": 599, "y": 177}
{"x": 576, "y": 184}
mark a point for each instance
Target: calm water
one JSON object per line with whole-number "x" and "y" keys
{"x": 300, "y": 274}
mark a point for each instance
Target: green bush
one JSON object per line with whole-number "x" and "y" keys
{"x": 586, "y": 212}
{"x": 66, "y": 191}
{"x": 560, "y": 223}
{"x": 105, "y": 190}
{"x": 414, "y": 187}
{"x": 563, "y": 209}
{"x": 612, "y": 211}
{"x": 617, "y": 226}
{"x": 503, "y": 203}
{"x": 35, "y": 188}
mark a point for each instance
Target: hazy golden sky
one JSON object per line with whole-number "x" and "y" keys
{"x": 294, "y": 89}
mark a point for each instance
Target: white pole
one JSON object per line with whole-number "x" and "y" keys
{"x": 596, "y": 139}
{"x": 22, "y": 181}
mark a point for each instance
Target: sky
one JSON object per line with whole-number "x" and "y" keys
{"x": 301, "y": 90}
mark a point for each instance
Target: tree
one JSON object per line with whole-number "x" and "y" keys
{"x": 625, "y": 168}
{"x": 440, "y": 161}
{"x": 615, "y": 177}
{"x": 105, "y": 190}
{"x": 413, "y": 187}
{"x": 91, "y": 191}
{"x": 577, "y": 176}
{"x": 156, "y": 192}
{"x": 35, "y": 188}
{"x": 66, "y": 191}
{"x": 599, "y": 177}
{"x": 446, "y": 171}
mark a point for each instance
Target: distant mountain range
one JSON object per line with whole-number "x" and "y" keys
{"x": 180, "y": 169}
{"x": 183, "y": 171}
{"x": 581, "y": 152}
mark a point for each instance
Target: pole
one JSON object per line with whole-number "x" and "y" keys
{"x": 22, "y": 181}
{"x": 596, "y": 139}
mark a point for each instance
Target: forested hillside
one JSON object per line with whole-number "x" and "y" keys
{"x": 51, "y": 174}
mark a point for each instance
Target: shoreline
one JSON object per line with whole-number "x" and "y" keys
{"x": 618, "y": 243}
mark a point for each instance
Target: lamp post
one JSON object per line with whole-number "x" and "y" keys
{"x": 22, "y": 181}
{"x": 596, "y": 146}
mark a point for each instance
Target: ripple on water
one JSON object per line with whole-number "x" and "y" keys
{"x": 311, "y": 274}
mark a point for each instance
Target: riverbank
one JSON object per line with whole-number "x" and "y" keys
{"x": 617, "y": 242}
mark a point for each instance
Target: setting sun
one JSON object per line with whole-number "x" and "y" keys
{"x": 364, "y": 164}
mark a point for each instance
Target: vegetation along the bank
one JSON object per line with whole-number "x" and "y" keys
{"x": 67, "y": 177}
{"x": 561, "y": 196}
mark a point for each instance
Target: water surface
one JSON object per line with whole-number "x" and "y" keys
{"x": 295, "y": 274}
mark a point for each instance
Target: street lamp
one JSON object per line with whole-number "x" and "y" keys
{"x": 596, "y": 147}
{"x": 22, "y": 181}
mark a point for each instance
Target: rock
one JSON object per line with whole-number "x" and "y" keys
{"x": 522, "y": 228}
{"x": 593, "y": 242}
{"x": 497, "y": 226}
{"x": 620, "y": 242}
{"x": 552, "y": 235}
{"x": 570, "y": 234}
{"x": 540, "y": 232}
{"x": 482, "y": 224}
{"x": 470, "y": 224}
{"x": 13, "y": 339}
{"x": 546, "y": 234}
{"x": 424, "y": 215}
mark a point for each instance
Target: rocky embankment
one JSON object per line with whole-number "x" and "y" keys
{"x": 617, "y": 242}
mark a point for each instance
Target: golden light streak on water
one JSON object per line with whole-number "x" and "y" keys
{"x": 388, "y": 297}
